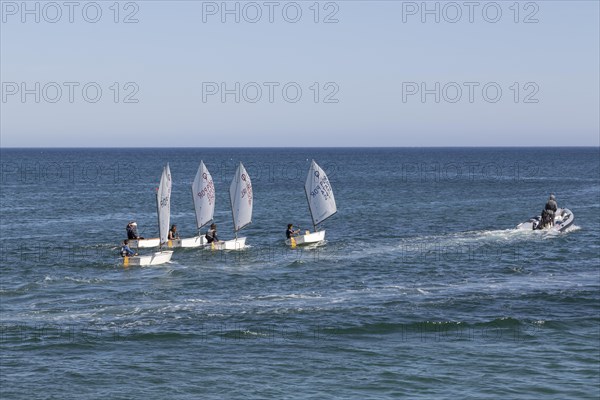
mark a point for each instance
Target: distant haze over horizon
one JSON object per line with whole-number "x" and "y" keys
{"x": 301, "y": 147}
{"x": 299, "y": 74}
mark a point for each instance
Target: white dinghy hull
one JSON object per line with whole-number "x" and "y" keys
{"x": 233, "y": 244}
{"x": 196, "y": 241}
{"x": 144, "y": 243}
{"x": 157, "y": 258}
{"x": 307, "y": 238}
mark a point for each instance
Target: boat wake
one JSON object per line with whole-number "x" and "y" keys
{"x": 489, "y": 237}
{"x": 470, "y": 245}
{"x": 572, "y": 228}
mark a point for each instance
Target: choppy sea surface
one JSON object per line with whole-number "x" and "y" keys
{"x": 423, "y": 288}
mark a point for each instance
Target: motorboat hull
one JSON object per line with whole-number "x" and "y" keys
{"x": 563, "y": 219}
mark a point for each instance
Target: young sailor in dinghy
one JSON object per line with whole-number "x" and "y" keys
{"x": 126, "y": 251}
{"x": 173, "y": 234}
{"x": 211, "y": 235}
{"x": 132, "y": 233}
{"x": 290, "y": 232}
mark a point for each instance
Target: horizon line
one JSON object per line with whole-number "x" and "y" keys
{"x": 288, "y": 147}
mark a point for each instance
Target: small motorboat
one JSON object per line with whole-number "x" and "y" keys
{"x": 563, "y": 218}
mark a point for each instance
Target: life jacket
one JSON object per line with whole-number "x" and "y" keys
{"x": 210, "y": 235}
{"x": 131, "y": 233}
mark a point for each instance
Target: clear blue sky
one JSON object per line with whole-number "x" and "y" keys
{"x": 375, "y": 61}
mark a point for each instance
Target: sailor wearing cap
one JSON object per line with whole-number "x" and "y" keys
{"x": 132, "y": 233}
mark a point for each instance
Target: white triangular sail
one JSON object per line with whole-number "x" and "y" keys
{"x": 241, "y": 197}
{"x": 319, "y": 194}
{"x": 203, "y": 190}
{"x": 163, "y": 203}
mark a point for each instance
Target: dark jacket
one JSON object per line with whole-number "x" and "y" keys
{"x": 551, "y": 206}
{"x": 132, "y": 233}
{"x": 211, "y": 236}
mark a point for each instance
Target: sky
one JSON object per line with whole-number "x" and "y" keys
{"x": 299, "y": 73}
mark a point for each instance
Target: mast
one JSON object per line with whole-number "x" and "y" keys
{"x": 158, "y": 209}
{"x": 194, "y": 204}
{"x": 231, "y": 201}
{"x": 233, "y": 194}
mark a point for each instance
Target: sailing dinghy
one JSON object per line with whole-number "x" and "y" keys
{"x": 163, "y": 205}
{"x": 321, "y": 204}
{"x": 241, "y": 198}
{"x": 203, "y": 195}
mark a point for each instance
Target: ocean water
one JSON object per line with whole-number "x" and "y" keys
{"x": 422, "y": 290}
